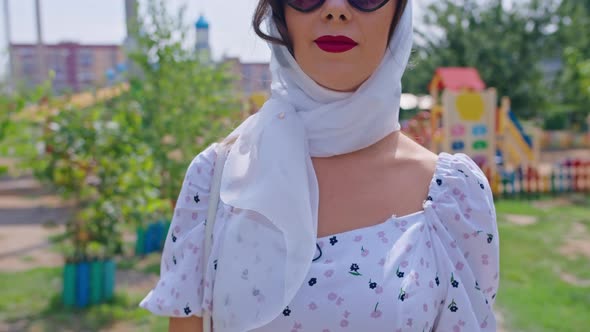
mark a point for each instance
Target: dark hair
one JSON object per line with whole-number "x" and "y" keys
{"x": 277, "y": 8}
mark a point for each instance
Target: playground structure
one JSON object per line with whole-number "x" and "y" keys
{"x": 465, "y": 118}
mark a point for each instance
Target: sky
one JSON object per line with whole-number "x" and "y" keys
{"x": 103, "y": 22}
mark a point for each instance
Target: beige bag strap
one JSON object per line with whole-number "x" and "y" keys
{"x": 222, "y": 152}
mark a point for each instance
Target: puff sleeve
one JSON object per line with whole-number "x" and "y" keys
{"x": 184, "y": 285}
{"x": 464, "y": 224}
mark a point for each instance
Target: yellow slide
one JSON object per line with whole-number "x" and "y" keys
{"x": 511, "y": 142}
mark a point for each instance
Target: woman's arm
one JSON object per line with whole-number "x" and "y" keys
{"x": 188, "y": 324}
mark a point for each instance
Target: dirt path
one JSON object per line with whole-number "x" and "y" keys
{"x": 29, "y": 216}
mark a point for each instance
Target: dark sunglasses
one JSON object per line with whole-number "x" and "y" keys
{"x": 307, "y": 6}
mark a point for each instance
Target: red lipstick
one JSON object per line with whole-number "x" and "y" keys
{"x": 335, "y": 44}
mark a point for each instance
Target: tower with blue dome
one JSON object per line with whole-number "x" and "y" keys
{"x": 202, "y": 46}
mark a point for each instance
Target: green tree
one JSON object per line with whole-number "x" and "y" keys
{"x": 504, "y": 45}
{"x": 572, "y": 45}
{"x": 185, "y": 104}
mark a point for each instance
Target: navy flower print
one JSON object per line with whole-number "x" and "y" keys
{"x": 453, "y": 306}
{"x": 354, "y": 268}
{"x": 372, "y": 284}
{"x": 287, "y": 311}
{"x": 312, "y": 281}
{"x": 454, "y": 282}
{"x": 399, "y": 273}
{"x": 333, "y": 240}
{"x": 402, "y": 295}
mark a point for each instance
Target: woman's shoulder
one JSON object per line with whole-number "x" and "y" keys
{"x": 460, "y": 187}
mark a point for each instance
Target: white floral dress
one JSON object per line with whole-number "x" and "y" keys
{"x": 434, "y": 270}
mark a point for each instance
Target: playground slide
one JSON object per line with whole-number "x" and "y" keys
{"x": 516, "y": 143}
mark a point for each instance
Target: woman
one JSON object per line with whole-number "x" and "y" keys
{"x": 331, "y": 219}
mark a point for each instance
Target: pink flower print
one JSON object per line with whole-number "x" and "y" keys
{"x": 344, "y": 323}
{"x": 431, "y": 284}
{"x": 195, "y": 250}
{"x": 457, "y": 217}
{"x": 376, "y": 314}
{"x": 358, "y": 238}
{"x": 261, "y": 298}
{"x": 177, "y": 229}
{"x": 382, "y": 262}
{"x": 332, "y": 296}
{"x": 468, "y": 210}
{"x": 364, "y": 252}
{"x": 408, "y": 248}
{"x": 384, "y": 240}
{"x": 425, "y": 307}
{"x": 410, "y": 322}
{"x": 404, "y": 222}
{"x": 429, "y": 244}
{"x": 484, "y": 259}
{"x": 312, "y": 306}
{"x": 187, "y": 199}
{"x": 346, "y": 313}
{"x": 398, "y": 330}
{"x": 466, "y": 236}
{"x": 329, "y": 273}
{"x": 296, "y": 326}
{"x": 467, "y": 216}
{"x": 176, "y": 312}
{"x": 484, "y": 324}
{"x": 328, "y": 261}
{"x": 415, "y": 276}
{"x": 381, "y": 234}
{"x": 459, "y": 266}
{"x": 183, "y": 277}
{"x": 378, "y": 290}
{"x": 456, "y": 191}
{"x": 422, "y": 261}
{"x": 461, "y": 323}
{"x": 339, "y": 301}
{"x": 404, "y": 264}
{"x": 453, "y": 244}
{"x": 456, "y": 328}
{"x": 195, "y": 215}
{"x": 466, "y": 254}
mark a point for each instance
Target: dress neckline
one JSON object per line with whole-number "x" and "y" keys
{"x": 393, "y": 218}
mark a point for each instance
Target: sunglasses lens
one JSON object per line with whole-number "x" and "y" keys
{"x": 304, "y": 5}
{"x": 364, "y": 5}
{"x": 368, "y": 5}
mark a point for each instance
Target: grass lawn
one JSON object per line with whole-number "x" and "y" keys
{"x": 533, "y": 295}
{"x": 31, "y": 301}
{"x": 541, "y": 288}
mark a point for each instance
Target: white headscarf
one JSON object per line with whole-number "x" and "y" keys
{"x": 269, "y": 245}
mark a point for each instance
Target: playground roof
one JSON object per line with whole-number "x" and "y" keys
{"x": 457, "y": 78}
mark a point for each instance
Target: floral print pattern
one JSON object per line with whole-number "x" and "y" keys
{"x": 435, "y": 270}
